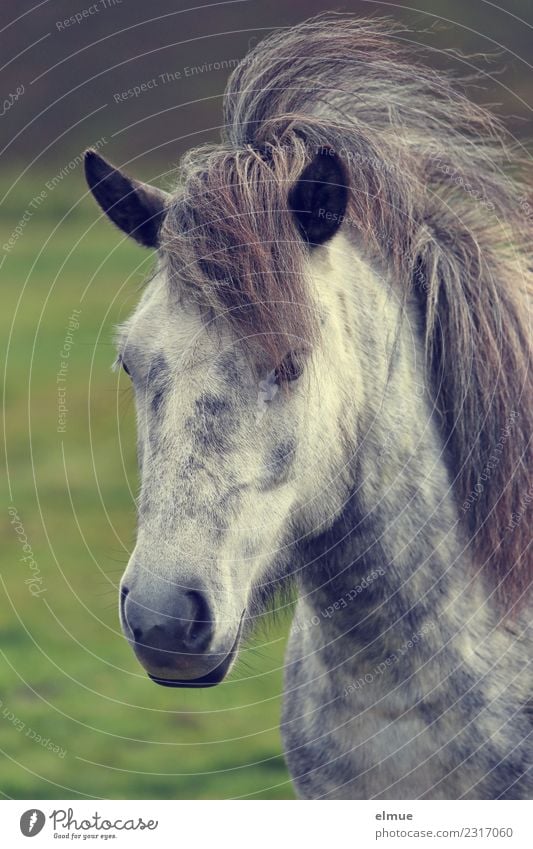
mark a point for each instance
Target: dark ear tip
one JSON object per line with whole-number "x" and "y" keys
{"x": 91, "y": 157}
{"x": 96, "y": 166}
{"x": 88, "y": 159}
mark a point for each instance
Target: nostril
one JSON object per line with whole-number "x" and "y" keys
{"x": 180, "y": 624}
{"x": 201, "y": 625}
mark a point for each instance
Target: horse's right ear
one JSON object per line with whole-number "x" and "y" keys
{"x": 137, "y": 208}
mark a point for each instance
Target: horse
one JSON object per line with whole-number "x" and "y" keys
{"x": 331, "y": 367}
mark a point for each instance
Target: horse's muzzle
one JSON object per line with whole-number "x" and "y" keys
{"x": 174, "y": 642}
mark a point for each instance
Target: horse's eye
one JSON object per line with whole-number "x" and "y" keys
{"x": 125, "y": 367}
{"x": 289, "y": 369}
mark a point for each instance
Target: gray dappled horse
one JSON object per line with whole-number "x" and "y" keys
{"x": 333, "y": 390}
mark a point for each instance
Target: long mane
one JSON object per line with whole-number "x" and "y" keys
{"x": 439, "y": 195}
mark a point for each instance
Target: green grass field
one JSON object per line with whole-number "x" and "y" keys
{"x": 78, "y": 718}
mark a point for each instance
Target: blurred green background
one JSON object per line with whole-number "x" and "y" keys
{"x": 78, "y": 718}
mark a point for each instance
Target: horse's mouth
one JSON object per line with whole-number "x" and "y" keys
{"x": 211, "y": 678}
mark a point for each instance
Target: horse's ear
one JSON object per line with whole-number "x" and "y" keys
{"x": 318, "y": 200}
{"x": 135, "y": 207}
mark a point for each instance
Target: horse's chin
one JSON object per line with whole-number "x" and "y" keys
{"x": 210, "y": 679}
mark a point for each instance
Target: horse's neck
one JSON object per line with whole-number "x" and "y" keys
{"x": 396, "y": 556}
{"x": 394, "y": 651}
{"x": 394, "y": 562}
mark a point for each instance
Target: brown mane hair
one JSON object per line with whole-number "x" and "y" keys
{"x": 439, "y": 194}
{"x": 236, "y": 246}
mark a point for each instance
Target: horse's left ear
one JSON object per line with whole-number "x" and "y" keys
{"x": 318, "y": 200}
{"x": 137, "y": 208}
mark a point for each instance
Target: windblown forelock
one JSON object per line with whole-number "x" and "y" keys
{"x": 232, "y": 243}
